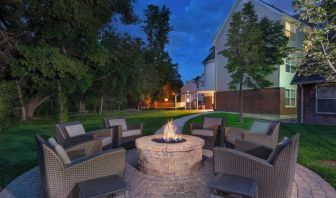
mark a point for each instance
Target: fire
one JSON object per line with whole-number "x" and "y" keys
{"x": 169, "y": 131}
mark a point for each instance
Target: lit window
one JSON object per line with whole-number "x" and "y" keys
{"x": 289, "y": 30}
{"x": 326, "y": 99}
{"x": 290, "y": 97}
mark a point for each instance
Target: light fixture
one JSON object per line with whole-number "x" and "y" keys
{"x": 166, "y": 99}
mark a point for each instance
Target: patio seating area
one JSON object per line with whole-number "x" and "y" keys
{"x": 220, "y": 160}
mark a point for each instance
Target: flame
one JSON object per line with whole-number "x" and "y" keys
{"x": 169, "y": 131}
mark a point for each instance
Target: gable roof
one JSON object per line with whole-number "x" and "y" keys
{"x": 211, "y": 56}
{"x": 312, "y": 79}
{"x": 273, "y": 8}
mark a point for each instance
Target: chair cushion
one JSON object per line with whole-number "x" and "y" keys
{"x": 232, "y": 138}
{"x": 75, "y": 130}
{"x": 128, "y": 133}
{"x": 260, "y": 127}
{"x": 115, "y": 122}
{"x": 203, "y": 132}
{"x": 62, "y": 154}
{"x": 106, "y": 141}
{"x": 281, "y": 145}
{"x": 210, "y": 123}
{"x": 52, "y": 142}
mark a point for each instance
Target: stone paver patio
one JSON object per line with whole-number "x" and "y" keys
{"x": 306, "y": 184}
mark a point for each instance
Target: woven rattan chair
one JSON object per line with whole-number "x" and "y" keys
{"x": 104, "y": 135}
{"x": 275, "y": 175}
{"x": 210, "y": 130}
{"x": 268, "y": 137}
{"x": 59, "y": 179}
{"x": 126, "y": 134}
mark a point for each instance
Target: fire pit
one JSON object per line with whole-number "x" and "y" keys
{"x": 170, "y": 154}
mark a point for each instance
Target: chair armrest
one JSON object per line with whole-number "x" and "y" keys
{"x": 103, "y": 164}
{"x": 235, "y": 162}
{"x": 195, "y": 126}
{"x": 101, "y": 133}
{"x": 89, "y": 148}
{"x": 234, "y": 131}
{"x": 266, "y": 140}
{"x": 70, "y": 142}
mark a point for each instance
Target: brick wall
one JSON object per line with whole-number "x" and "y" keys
{"x": 262, "y": 101}
{"x": 309, "y": 108}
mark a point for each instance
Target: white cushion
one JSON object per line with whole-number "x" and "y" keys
{"x": 203, "y": 132}
{"x": 260, "y": 127}
{"x": 106, "y": 141}
{"x": 52, "y": 142}
{"x": 62, "y": 154}
{"x": 232, "y": 138}
{"x": 115, "y": 122}
{"x": 75, "y": 130}
{"x": 128, "y": 133}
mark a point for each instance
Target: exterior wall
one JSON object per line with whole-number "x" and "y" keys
{"x": 309, "y": 107}
{"x": 209, "y": 75}
{"x": 264, "y": 101}
{"x": 222, "y": 76}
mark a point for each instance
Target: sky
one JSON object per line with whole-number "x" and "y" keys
{"x": 195, "y": 24}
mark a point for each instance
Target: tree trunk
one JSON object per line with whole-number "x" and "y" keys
{"x": 32, "y": 105}
{"x": 101, "y": 105}
{"x": 60, "y": 103}
{"x": 81, "y": 106}
{"x": 23, "y": 108}
{"x": 241, "y": 105}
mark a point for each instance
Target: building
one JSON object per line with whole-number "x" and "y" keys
{"x": 195, "y": 96}
{"x": 316, "y": 100}
{"x": 280, "y": 98}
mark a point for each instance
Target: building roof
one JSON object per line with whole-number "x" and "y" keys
{"x": 312, "y": 79}
{"x": 211, "y": 55}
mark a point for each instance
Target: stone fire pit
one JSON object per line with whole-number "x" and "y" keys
{"x": 169, "y": 159}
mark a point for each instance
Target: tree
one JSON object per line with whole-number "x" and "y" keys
{"x": 157, "y": 28}
{"x": 253, "y": 50}
{"x": 319, "y": 53}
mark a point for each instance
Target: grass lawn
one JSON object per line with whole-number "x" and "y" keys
{"x": 17, "y": 143}
{"x": 317, "y": 149}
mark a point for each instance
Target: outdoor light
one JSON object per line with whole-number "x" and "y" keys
{"x": 166, "y": 99}
{"x": 188, "y": 100}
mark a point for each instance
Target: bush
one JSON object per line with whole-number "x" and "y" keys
{"x": 8, "y": 104}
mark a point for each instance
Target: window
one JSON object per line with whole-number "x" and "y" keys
{"x": 289, "y": 30}
{"x": 326, "y": 99}
{"x": 289, "y": 67}
{"x": 290, "y": 97}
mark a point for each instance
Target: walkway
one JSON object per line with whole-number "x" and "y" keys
{"x": 306, "y": 184}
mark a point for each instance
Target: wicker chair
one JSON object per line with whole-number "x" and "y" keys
{"x": 267, "y": 137}
{"x": 126, "y": 134}
{"x": 59, "y": 180}
{"x": 275, "y": 175}
{"x": 104, "y": 135}
{"x": 210, "y": 130}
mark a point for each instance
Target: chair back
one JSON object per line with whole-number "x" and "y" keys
{"x": 110, "y": 122}
{"x": 48, "y": 162}
{"x": 211, "y": 122}
{"x": 61, "y": 133}
{"x": 285, "y": 164}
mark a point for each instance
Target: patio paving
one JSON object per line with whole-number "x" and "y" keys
{"x": 306, "y": 184}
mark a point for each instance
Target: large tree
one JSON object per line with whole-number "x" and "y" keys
{"x": 157, "y": 28}
{"x": 319, "y": 52}
{"x": 253, "y": 49}
{"x": 73, "y": 27}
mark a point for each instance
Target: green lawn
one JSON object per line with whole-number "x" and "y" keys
{"x": 317, "y": 149}
{"x": 17, "y": 143}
